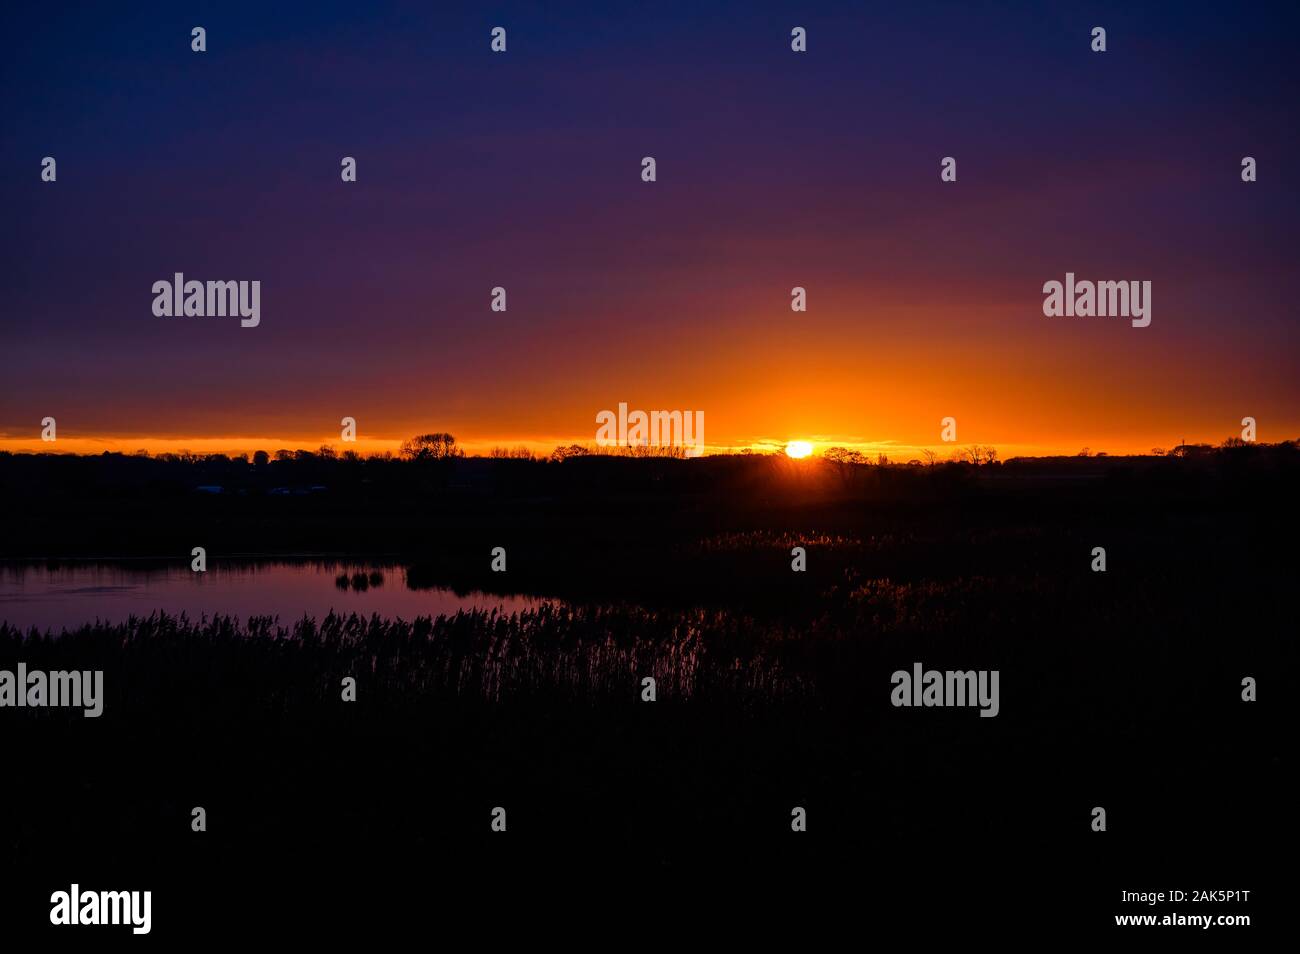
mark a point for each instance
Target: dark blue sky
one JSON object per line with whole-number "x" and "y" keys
{"x": 775, "y": 170}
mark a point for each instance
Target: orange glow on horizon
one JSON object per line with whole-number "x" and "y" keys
{"x": 543, "y": 446}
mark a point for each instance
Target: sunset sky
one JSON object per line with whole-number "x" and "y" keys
{"x": 522, "y": 169}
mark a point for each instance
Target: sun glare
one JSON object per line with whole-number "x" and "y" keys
{"x": 798, "y": 449}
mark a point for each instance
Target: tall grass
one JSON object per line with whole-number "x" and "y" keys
{"x": 590, "y": 654}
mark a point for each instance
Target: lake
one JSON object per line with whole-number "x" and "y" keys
{"x": 52, "y": 597}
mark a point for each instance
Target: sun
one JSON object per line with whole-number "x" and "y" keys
{"x": 797, "y": 449}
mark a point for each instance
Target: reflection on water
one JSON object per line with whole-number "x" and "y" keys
{"x": 52, "y": 597}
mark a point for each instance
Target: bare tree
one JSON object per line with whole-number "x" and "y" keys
{"x": 572, "y": 450}
{"x": 436, "y": 446}
{"x": 842, "y": 455}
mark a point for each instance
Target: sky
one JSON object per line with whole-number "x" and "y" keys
{"x": 522, "y": 170}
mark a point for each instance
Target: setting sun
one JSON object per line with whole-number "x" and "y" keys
{"x": 798, "y": 449}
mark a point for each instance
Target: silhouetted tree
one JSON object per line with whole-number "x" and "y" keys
{"x": 511, "y": 453}
{"x": 842, "y": 455}
{"x": 573, "y": 450}
{"x": 436, "y": 446}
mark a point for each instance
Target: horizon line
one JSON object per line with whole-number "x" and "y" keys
{"x": 376, "y": 447}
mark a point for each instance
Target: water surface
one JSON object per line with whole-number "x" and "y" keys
{"x": 53, "y": 597}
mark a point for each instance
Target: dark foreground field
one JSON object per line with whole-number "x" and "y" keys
{"x": 1119, "y": 689}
